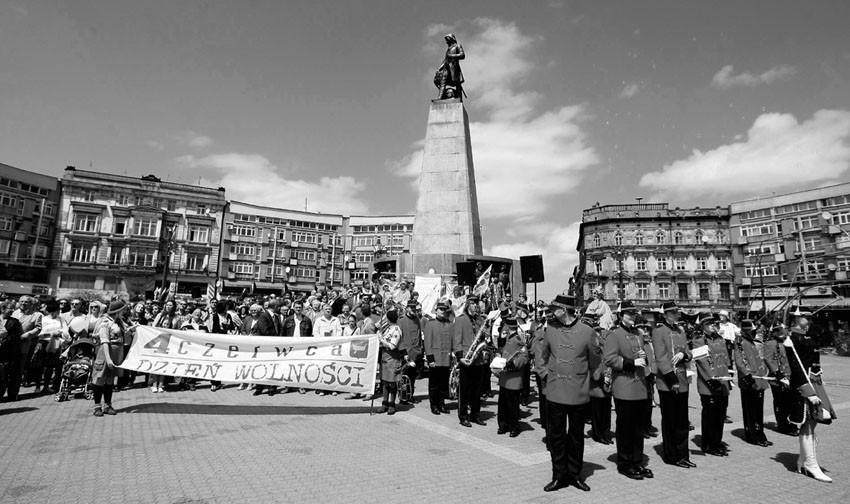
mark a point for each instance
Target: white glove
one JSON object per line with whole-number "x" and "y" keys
{"x": 785, "y": 381}
{"x": 815, "y": 400}
{"x": 678, "y": 357}
{"x": 640, "y": 362}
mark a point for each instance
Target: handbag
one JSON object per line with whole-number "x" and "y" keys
{"x": 825, "y": 412}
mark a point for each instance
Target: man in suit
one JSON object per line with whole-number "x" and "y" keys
{"x": 671, "y": 358}
{"x": 749, "y": 365}
{"x": 625, "y": 355}
{"x": 561, "y": 359}
{"x": 268, "y": 324}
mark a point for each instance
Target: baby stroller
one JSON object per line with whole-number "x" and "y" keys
{"x": 77, "y": 370}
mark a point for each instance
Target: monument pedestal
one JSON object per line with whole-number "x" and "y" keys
{"x": 447, "y": 226}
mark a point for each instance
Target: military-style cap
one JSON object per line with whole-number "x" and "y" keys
{"x": 748, "y": 325}
{"x": 669, "y": 306}
{"x": 626, "y": 306}
{"x": 565, "y": 302}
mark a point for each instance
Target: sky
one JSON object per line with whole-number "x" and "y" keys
{"x": 325, "y": 104}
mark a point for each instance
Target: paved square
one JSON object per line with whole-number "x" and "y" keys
{"x": 229, "y": 446}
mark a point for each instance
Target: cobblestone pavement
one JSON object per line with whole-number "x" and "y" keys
{"x": 229, "y": 446}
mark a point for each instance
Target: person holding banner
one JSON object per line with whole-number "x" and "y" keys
{"x": 713, "y": 384}
{"x": 110, "y": 352}
{"x": 168, "y": 318}
{"x": 391, "y": 362}
{"x": 811, "y": 404}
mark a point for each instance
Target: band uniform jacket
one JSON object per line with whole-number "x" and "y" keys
{"x": 597, "y": 365}
{"x": 562, "y": 359}
{"x": 776, "y": 359}
{"x": 411, "y": 337}
{"x": 465, "y": 330}
{"x": 515, "y": 351}
{"x": 714, "y": 365}
{"x": 749, "y": 363}
{"x": 667, "y": 341}
{"x": 621, "y": 349}
{"x": 439, "y": 337}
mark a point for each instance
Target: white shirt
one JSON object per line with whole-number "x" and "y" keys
{"x": 729, "y": 331}
{"x": 323, "y": 327}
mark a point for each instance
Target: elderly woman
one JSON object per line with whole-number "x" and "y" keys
{"x": 601, "y": 310}
{"x": 30, "y": 319}
{"x": 54, "y": 338}
{"x": 110, "y": 352}
{"x": 10, "y": 352}
{"x": 391, "y": 362}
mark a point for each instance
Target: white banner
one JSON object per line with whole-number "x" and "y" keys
{"x": 342, "y": 364}
{"x": 429, "y": 288}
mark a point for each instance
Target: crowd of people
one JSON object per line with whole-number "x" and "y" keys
{"x": 579, "y": 361}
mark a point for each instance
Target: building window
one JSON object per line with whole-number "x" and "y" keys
{"x": 138, "y": 256}
{"x": 199, "y": 234}
{"x": 243, "y": 268}
{"x": 7, "y": 200}
{"x": 309, "y": 273}
{"x": 302, "y": 237}
{"x": 752, "y": 271}
{"x": 843, "y": 264}
{"x": 5, "y": 223}
{"x": 598, "y": 266}
{"x": 639, "y": 238}
{"x": 699, "y": 237}
{"x": 171, "y": 205}
{"x": 361, "y": 275}
{"x": 796, "y": 207}
{"x": 4, "y": 247}
{"x": 660, "y": 237}
{"x": 640, "y": 263}
{"x": 122, "y": 200}
{"x": 364, "y": 241}
{"x": 72, "y": 281}
{"x": 664, "y": 291}
{"x": 757, "y": 230}
{"x": 680, "y": 264}
{"x": 721, "y": 237}
{"x": 86, "y": 223}
{"x": 725, "y": 292}
{"x": 722, "y": 264}
{"x": 195, "y": 262}
{"x": 682, "y": 289}
{"x": 678, "y": 238}
{"x": 119, "y": 227}
{"x": 89, "y": 196}
{"x": 305, "y": 255}
{"x": 144, "y": 227}
{"x": 243, "y": 249}
{"x": 756, "y": 250}
{"x": 81, "y": 253}
{"x": 661, "y": 263}
{"x": 115, "y": 256}
{"x": 618, "y": 239}
{"x": 597, "y": 241}
{"x": 702, "y": 263}
{"x": 361, "y": 257}
{"x": 703, "y": 291}
{"x": 244, "y": 231}
{"x": 643, "y": 290}
{"x": 812, "y": 243}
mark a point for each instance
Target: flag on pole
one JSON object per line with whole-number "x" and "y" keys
{"x": 483, "y": 282}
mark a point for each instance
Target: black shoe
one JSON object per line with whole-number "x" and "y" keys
{"x": 37, "y": 390}
{"x": 688, "y": 463}
{"x": 679, "y": 463}
{"x": 98, "y": 412}
{"x": 544, "y": 441}
{"x": 727, "y": 419}
{"x": 555, "y": 485}
{"x": 645, "y": 472}
{"x": 256, "y": 391}
{"x": 763, "y": 444}
{"x": 631, "y": 473}
{"x": 716, "y": 453}
{"x": 272, "y": 391}
{"x": 691, "y": 427}
{"x": 443, "y": 409}
{"x": 435, "y": 411}
{"x": 501, "y": 431}
{"x": 109, "y": 410}
{"x": 382, "y": 409}
{"x": 478, "y": 421}
{"x": 391, "y": 410}
{"x": 581, "y": 485}
{"x": 214, "y": 388}
{"x": 465, "y": 423}
{"x": 514, "y": 433}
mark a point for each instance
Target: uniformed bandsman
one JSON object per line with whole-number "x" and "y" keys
{"x": 561, "y": 361}
{"x": 510, "y": 379}
{"x": 671, "y": 358}
{"x": 625, "y": 355}
{"x": 538, "y": 331}
{"x": 776, "y": 360}
{"x": 438, "y": 340}
{"x": 644, "y": 328}
{"x": 600, "y": 390}
{"x": 466, "y": 328}
{"x": 751, "y": 365}
{"x": 713, "y": 384}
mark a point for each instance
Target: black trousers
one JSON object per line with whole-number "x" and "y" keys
{"x": 52, "y": 371}
{"x": 781, "y": 406}
{"x": 566, "y": 440}
{"x": 674, "y": 425}
{"x": 471, "y": 388}
{"x": 752, "y": 405}
{"x": 438, "y": 385}
{"x": 411, "y": 373}
{"x": 508, "y": 412}
{"x": 526, "y": 384}
{"x": 600, "y": 417}
{"x": 713, "y": 416}
{"x": 629, "y": 435}
{"x": 10, "y": 379}
{"x": 541, "y": 400}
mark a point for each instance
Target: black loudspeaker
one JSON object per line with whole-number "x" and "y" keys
{"x": 532, "y": 268}
{"x": 466, "y": 274}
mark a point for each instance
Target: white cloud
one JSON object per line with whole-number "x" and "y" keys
{"x": 520, "y": 157}
{"x": 630, "y": 90}
{"x": 725, "y": 78}
{"x": 555, "y": 242}
{"x": 778, "y": 152}
{"x": 194, "y": 139}
{"x": 155, "y": 145}
{"x": 253, "y": 178}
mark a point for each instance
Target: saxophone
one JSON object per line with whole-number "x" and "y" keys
{"x": 478, "y": 344}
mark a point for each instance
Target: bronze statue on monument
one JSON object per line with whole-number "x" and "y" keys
{"x": 449, "y": 77}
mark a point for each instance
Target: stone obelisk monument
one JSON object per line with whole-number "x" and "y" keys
{"x": 446, "y": 224}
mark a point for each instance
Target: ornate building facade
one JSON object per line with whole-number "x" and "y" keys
{"x": 650, "y": 253}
